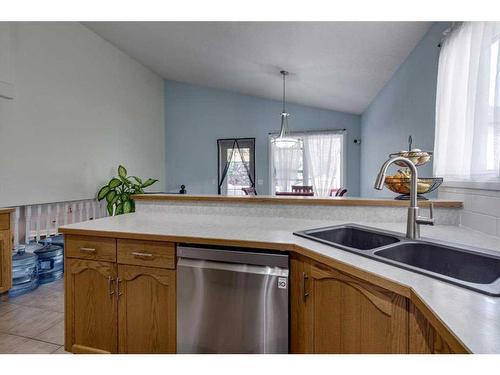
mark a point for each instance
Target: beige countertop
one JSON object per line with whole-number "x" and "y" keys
{"x": 473, "y": 318}
{"x": 273, "y": 199}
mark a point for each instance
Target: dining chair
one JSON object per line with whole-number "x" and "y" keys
{"x": 249, "y": 191}
{"x": 307, "y": 189}
{"x": 341, "y": 192}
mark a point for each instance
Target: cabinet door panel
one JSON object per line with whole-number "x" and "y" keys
{"x": 91, "y": 308}
{"x": 333, "y": 312}
{"x": 147, "y": 310}
{"x": 5, "y": 261}
{"x": 352, "y": 316}
{"x": 424, "y": 339}
{"x": 327, "y": 325}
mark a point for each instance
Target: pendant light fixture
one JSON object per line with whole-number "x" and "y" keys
{"x": 283, "y": 140}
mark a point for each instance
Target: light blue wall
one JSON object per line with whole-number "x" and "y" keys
{"x": 196, "y": 117}
{"x": 406, "y": 105}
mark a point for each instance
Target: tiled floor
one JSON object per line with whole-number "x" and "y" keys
{"x": 34, "y": 323}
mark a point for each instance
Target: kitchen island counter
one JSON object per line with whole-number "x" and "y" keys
{"x": 471, "y": 318}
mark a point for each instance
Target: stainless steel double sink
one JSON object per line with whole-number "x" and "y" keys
{"x": 469, "y": 267}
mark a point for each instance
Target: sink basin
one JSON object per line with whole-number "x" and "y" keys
{"x": 350, "y": 236}
{"x": 456, "y": 263}
{"x": 468, "y": 267}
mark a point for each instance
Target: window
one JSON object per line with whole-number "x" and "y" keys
{"x": 493, "y": 95}
{"x": 467, "y": 144}
{"x": 287, "y": 166}
{"x": 236, "y": 165}
{"x": 317, "y": 160}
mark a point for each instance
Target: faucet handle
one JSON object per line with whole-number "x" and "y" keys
{"x": 427, "y": 220}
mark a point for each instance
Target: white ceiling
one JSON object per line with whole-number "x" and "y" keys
{"x": 333, "y": 65}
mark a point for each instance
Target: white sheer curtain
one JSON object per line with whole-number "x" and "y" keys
{"x": 323, "y": 154}
{"x": 467, "y": 144}
{"x": 286, "y": 163}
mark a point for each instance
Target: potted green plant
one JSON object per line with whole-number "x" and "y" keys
{"x": 119, "y": 189}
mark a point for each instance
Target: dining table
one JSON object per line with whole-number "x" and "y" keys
{"x": 295, "y": 193}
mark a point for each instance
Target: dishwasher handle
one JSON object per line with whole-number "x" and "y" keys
{"x": 236, "y": 255}
{"x": 232, "y": 267}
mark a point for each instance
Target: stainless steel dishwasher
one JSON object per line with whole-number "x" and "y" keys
{"x": 231, "y": 301}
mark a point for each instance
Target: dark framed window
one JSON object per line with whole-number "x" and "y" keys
{"x": 236, "y": 165}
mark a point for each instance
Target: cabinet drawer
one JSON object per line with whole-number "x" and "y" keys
{"x": 146, "y": 253}
{"x": 88, "y": 247}
{"x": 4, "y": 221}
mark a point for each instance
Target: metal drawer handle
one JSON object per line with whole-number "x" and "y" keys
{"x": 110, "y": 286}
{"x": 142, "y": 255}
{"x": 118, "y": 291}
{"x": 87, "y": 250}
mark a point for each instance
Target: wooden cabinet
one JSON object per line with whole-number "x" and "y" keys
{"x": 119, "y": 308}
{"x": 91, "y": 307}
{"x": 425, "y": 339}
{"x": 121, "y": 302}
{"x": 333, "y": 312}
{"x": 146, "y": 310}
{"x": 5, "y": 255}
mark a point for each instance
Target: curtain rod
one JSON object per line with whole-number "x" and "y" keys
{"x": 313, "y": 131}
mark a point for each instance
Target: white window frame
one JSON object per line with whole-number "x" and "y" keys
{"x": 343, "y": 154}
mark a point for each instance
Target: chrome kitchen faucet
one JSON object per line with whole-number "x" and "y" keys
{"x": 414, "y": 220}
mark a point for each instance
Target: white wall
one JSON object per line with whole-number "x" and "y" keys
{"x": 80, "y": 107}
{"x": 210, "y": 114}
{"x": 405, "y": 106}
{"x": 481, "y": 208}
{"x": 5, "y": 61}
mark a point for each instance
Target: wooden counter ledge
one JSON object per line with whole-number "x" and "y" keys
{"x": 268, "y": 199}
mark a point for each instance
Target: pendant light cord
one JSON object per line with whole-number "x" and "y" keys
{"x": 284, "y": 73}
{"x": 284, "y": 139}
{"x": 284, "y": 89}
